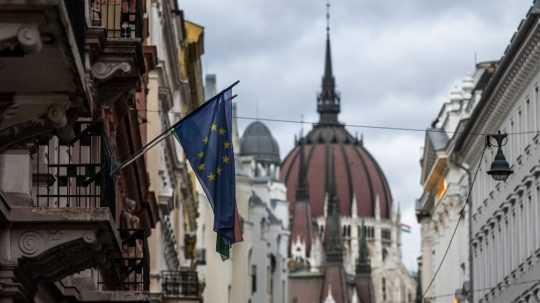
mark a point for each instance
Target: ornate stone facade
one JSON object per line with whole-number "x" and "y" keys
{"x": 445, "y": 187}
{"x": 504, "y": 231}
{"x": 73, "y": 102}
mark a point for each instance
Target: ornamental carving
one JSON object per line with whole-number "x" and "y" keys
{"x": 30, "y": 243}
{"x": 104, "y": 70}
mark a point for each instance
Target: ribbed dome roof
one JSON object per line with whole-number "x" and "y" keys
{"x": 357, "y": 173}
{"x": 258, "y": 141}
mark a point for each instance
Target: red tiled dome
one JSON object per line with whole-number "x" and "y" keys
{"x": 356, "y": 171}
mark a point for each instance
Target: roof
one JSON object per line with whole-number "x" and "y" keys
{"x": 358, "y": 175}
{"x": 258, "y": 141}
{"x": 335, "y": 281}
{"x": 517, "y": 41}
{"x": 438, "y": 138}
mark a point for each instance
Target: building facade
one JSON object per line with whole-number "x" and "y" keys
{"x": 173, "y": 275}
{"x": 445, "y": 187}
{"x": 338, "y": 192}
{"x": 85, "y": 85}
{"x": 224, "y": 280}
{"x": 266, "y": 227}
{"x": 72, "y": 227}
{"x": 505, "y": 215}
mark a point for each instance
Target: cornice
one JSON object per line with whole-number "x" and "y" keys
{"x": 517, "y": 76}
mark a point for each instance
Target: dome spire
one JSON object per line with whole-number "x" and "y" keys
{"x": 328, "y": 102}
{"x": 302, "y": 194}
{"x": 332, "y": 241}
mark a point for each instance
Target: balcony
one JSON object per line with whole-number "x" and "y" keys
{"x": 67, "y": 223}
{"x": 115, "y": 37}
{"x": 59, "y": 57}
{"x": 42, "y": 74}
{"x": 180, "y": 286}
{"x": 74, "y": 174}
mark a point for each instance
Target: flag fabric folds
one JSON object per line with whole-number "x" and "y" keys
{"x": 206, "y": 137}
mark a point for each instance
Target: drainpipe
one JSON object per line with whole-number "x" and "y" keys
{"x": 457, "y": 163}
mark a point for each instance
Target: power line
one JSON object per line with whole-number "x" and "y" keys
{"x": 461, "y": 215}
{"x": 365, "y": 126}
{"x": 484, "y": 289}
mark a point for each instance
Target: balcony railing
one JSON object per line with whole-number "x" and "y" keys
{"x": 74, "y": 174}
{"x": 122, "y": 19}
{"x": 134, "y": 263}
{"x": 180, "y": 283}
{"x": 135, "y": 259}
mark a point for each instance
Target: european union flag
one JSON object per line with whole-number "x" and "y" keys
{"x": 206, "y": 136}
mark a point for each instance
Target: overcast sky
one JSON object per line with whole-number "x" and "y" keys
{"x": 394, "y": 63}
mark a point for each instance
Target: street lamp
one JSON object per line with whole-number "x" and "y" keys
{"x": 500, "y": 169}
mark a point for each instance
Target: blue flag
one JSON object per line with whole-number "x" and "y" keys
{"x": 206, "y": 136}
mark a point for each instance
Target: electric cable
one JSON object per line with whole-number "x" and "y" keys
{"x": 365, "y": 126}
{"x": 484, "y": 289}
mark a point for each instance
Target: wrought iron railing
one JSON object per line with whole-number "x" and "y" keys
{"x": 134, "y": 261}
{"x": 122, "y": 19}
{"x": 180, "y": 283}
{"x": 133, "y": 265}
{"x": 74, "y": 174}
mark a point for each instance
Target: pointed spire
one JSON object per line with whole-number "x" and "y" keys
{"x": 302, "y": 194}
{"x": 333, "y": 243}
{"x": 363, "y": 265}
{"x": 328, "y": 104}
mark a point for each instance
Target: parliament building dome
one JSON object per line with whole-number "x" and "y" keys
{"x": 358, "y": 175}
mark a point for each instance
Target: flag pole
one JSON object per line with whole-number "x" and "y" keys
{"x": 166, "y": 133}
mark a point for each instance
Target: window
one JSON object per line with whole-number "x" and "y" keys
{"x": 368, "y": 230}
{"x": 383, "y": 289}
{"x": 253, "y": 278}
{"x": 263, "y": 228}
{"x": 346, "y": 232}
{"x": 386, "y": 235}
{"x": 269, "y": 284}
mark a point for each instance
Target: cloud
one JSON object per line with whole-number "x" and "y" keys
{"x": 394, "y": 63}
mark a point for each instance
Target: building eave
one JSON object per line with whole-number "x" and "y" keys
{"x": 506, "y": 72}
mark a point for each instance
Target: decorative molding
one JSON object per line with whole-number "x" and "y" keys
{"x": 513, "y": 82}
{"x": 105, "y": 70}
{"x": 19, "y": 39}
{"x": 30, "y": 243}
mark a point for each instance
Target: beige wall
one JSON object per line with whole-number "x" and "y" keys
{"x": 226, "y": 281}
